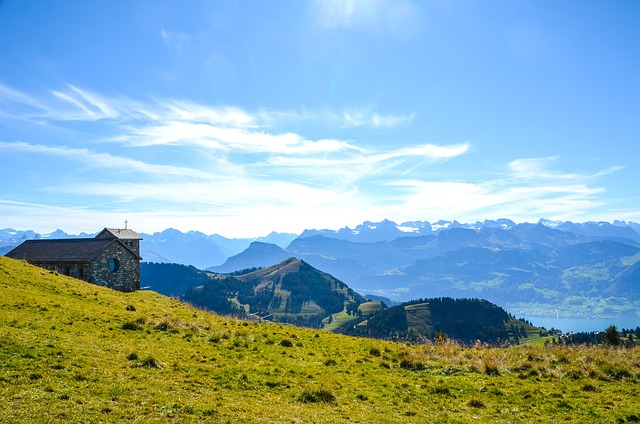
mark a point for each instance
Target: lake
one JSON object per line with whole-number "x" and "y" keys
{"x": 567, "y": 325}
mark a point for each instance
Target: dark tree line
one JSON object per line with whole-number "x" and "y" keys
{"x": 609, "y": 337}
{"x": 464, "y": 320}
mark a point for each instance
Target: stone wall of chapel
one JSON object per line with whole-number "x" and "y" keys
{"x": 78, "y": 270}
{"x": 125, "y": 276}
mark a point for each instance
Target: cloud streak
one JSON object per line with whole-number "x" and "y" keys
{"x": 186, "y": 162}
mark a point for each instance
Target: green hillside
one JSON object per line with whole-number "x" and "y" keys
{"x": 343, "y": 321}
{"x": 74, "y": 352}
{"x": 291, "y": 291}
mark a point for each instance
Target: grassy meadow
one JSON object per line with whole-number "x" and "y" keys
{"x": 75, "y": 352}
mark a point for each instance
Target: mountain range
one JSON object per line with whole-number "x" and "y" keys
{"x": 544, "y": 269}
{"x": 547, "y": 269}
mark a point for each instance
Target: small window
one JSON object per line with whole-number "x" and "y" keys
{"x": 114, "y": 264}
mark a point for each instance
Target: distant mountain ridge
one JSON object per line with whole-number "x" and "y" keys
{"x": 258, "y": 254}
{"x": 545, "y": 269}
{"x": 168, "y": 246}
{"x": 387, "y": 230}
{"x": 204, "y": 251}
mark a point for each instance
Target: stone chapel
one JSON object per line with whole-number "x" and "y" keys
{"x": 111, "y": 259}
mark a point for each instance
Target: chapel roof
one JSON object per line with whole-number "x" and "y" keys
{"x": 62, "y": 250}
{"x": 121, "y": 233}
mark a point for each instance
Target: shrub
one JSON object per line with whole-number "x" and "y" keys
{"x": 616, "y": 373}
{"x": 410, "y": 365}
{"x": 286, "y": 343}
{"x": 491, "y": 369}
{"x": 162, "y": 326}
{"x": 314, "y": 396}
{"x": 589, "y": 388}
{"x": 329, "y": 362}
{"x": 130, "y": 308}
{"x": 374, "y": 351}
{"x": 475, "y": 403}
{"x": 563, "y": 404}
{"x": 132, "y": 356}
{"x": 441, "y": 391}
{"x": 150, "y": 362}
{"x": 130, "y": 325}
{"x": 79, "y": 377}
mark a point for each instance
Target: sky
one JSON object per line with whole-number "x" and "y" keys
{"x": 240, "y": 118}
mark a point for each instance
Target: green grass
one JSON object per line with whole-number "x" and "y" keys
{"x": 342, "y": 319}
{"x": 67, "y": 354}
{"x": 531, "y": 333}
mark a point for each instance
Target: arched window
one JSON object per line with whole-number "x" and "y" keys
{"x": 114, "y": 264}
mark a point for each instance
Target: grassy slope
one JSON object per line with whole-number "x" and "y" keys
{"x": 419, "y": 318}
{"x": 343, "y": 320}
{"x": 532, "y": 332}
{"x": 65, "y": 357}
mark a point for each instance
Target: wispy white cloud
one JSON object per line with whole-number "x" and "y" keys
{"x": 15, "y": 104}
{"x": 537, "y": 169}
{"x": 528, "y": 190}
{"x": 427, "y": 152}
{"x": 93, "y": 160}
{"x": 366, "y": 117}
{"x": 227, "y": 139}
{"x": 240, "y": 168}
{"x": 227, "y": 116}
{"x": 391, "y": 120}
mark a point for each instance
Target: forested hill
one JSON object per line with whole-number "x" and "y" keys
{"x": 291, "y": 291}
{"x": 465, "y": 320}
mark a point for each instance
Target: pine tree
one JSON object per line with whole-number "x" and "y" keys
{"x": 611, "y": 336}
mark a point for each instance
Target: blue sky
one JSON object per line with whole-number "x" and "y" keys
{"x": 240, "y": 118}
